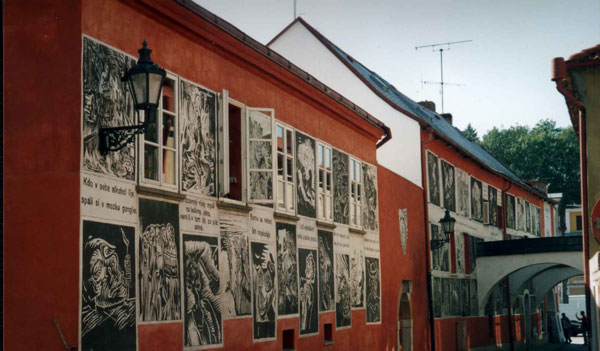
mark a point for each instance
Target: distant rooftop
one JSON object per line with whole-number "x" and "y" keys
{"x": 445, "y": 130}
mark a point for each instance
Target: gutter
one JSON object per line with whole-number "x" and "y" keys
{"x": 560, "y": 76}
{"x": 388, "y": 137}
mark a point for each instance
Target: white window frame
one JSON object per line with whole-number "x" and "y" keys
{"x": 289, "y": 202}
{"x": 248, "y": 170}
{"x": 160, "y": 183}
{"x": 322, "y": 191}
{"x": 356, "y": 198}
{"x": 224, "y": 150}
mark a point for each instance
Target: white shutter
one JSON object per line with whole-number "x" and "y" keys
{"x": 223, "y": 143}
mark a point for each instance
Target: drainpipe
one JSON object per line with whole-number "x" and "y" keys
{"x": 559, "y": 74}
{"x": 505, "y": 235}
{"x": 427, "y": 249}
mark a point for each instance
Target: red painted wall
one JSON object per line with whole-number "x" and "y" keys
{"x": 42, "y": 171}
{"x": 394, "y": 193}
{"x": 42, "y": 87}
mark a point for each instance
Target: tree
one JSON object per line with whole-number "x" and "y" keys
{"x": 543, "y": 152}
{"x": 471, "y": 133}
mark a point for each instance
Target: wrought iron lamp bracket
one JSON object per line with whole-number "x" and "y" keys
{"x": 116, "y": 138}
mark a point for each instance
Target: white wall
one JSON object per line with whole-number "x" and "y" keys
{"x": 402, "y": 153}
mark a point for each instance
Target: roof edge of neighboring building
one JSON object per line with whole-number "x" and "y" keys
{"x": 281, "y": 61}
{"x": 333, "y": 49}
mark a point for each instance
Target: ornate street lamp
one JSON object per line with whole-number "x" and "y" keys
{"x": 145, "y": 81}
{"x": 447, "y": 223}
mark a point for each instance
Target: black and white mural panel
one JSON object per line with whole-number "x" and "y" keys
{"x": 203, "y": 313}
{"x": 448, "y": 186}
{"x": 403, "y": 227}
{"x": 433, "y": 179}
{"x": 107, "y": 102}
{"x": 510, "y": 212}
{"x": 326, "y": 278}
{"x": 463, "y": 198}
{"x": 108, "y": 291}
{"x": 341, "y": 197}
{"x": 370, "y": 206}
{"x": 235, "y": 266}
{"x": 440, "y": 258}
{"x": 357, "y": 271}
{"x": 459, "y": 244}
{"x": 306, "y": 175}
{"x": 287, "y": 269}
{"x": 159, "y": 273}
{"x": 342, "y": 250}
{"x": 373, "y": 290}
{"x": 476, "y": 200}
{"x": 308, "y": 292}
{"x": 197, "y": 113}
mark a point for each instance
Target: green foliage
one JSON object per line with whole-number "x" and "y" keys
{"x": 471, "y": 133}
{"x": 543, "y": 152}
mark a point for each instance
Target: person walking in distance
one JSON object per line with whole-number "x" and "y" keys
{"x": 585, "y": 326}
{"x": 566, "y": 325}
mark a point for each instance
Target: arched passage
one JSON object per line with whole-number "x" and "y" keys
{"x": 405, "y": 331}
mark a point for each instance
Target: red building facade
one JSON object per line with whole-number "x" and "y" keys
{"x": 251, "y": 214}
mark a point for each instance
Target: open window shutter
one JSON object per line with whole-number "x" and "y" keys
{"x": 223, "y": 143}
{"x": 260, "y": 132}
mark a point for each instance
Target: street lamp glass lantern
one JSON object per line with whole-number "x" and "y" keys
{"x": 145, "y": 81}
{"x": 447, "y": 224}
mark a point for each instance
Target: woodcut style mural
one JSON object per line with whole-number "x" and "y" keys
{"x": 476, "y": 200}
{"x": 107, "y": 102}
{"x": 160, "y": 298}
{"x": 203, "y": 318}
{"x": 448, "y": 186}
{"x": 459, "y": 244}
{"x": 198, "y": 117}
{"x": 433, "y": 176}
{"x": 369, "y": 212}
{"x": 287, "y": 269}
{"x": 305, "y": 175}
{"x": 493, "y": 196}
{"x": 108, "y": 287}
{"x": 403, "y": 226}
{"x": 260, "y": 156}
{"x": 357, "y": 276}
{"x": 263, "y": 289}
{"x": 439, "y": 257}
{"x": 373, "y": 290}
{"x": 326, "y": 299}
{"x": 510, "y": 211}
{"x": 309, "y": 310}
{"x": 527, "y": 218}
{"x": 437, "y": 296}
{"x": 341, "y": 200}
{"x": 462, "y": 190}
{"x": 235, "y": 266}
{"x": 342, "y": 285}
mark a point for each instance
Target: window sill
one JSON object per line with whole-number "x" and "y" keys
{"x": 146, "y": 190}
{"x": 329, "y": 342}
{"x": 354, "y": 230}
{"x": 285, "y": 216}
{"x": 225, "y": 205}
{"x": 326, "y": 225}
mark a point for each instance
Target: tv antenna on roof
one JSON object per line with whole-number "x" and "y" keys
{"x": 441, "y": 50}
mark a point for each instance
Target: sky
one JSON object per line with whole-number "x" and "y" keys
{"x": 502, "y": 78}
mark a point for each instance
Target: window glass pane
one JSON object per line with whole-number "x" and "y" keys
{"x": 150, "y": 162}
{"x": 280, "y": 166}
{"x": 328, "y": 183}
{"x": 168, "y": 131}
{"x": 320, "y": 155}
{"x": 168, "y": 95}
{"x": 280, "y": 194}
{"x": 290, "y": 174}
{"x": 358, "y": 172}
{"x": 260, "y": 155}
{"x": 260, "y": 125}
{"x": 289, "y": 196}
{"x": 289, "y": 142}
{"x": 352, "y": 167}
{"x": 279, "y": 139}
{"x": 328, "y": 158}
{"x": 321, "y": 179}
{"x": 169, "y": 166}
{"x": 151, "y": 133}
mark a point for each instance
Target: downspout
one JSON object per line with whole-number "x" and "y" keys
{"x": 511, "y": 340}
{"x": 559, "y": 74}
{"x": 427, "y": 249}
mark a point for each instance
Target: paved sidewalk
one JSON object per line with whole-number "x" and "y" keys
{"x": 577, "y": 345}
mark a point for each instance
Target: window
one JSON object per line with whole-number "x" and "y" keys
{"x": 288, "y": 339}
{"x": 159, "y": 142}
{"x": 578, "y": 223}
{"x": 324, "y": 188}
{"x": 285, "y": 169}
{"x": 355, "y": 192}
{"x": 260, "y": 155}
{"x": 231, "y": 150}
{"x": 328, "y": 333}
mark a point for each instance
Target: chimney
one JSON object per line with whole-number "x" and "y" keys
{"x": 430, "y": 105}
{"x": 447, "y": 117}
{"x": 539, "y": 185}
